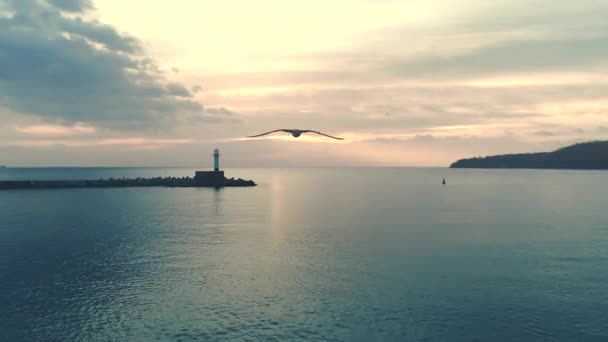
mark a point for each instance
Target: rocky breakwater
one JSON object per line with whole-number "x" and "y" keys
{"x": 217, "y": 181}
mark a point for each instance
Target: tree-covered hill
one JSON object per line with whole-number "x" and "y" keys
{"x": 590, "y": 155}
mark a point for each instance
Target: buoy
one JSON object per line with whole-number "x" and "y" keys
{"x": 443, "y": 181}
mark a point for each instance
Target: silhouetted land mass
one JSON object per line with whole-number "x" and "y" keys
{"x": 127, "y": 182}
{"x": 583, "y": 156}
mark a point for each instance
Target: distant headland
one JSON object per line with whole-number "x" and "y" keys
{"x": 213, "y": 179}
{"x": 583, "y": 156}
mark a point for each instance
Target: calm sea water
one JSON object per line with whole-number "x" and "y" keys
{"x": 308, "y": 255}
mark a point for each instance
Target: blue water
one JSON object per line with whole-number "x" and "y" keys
{"x": 308, "y": 255}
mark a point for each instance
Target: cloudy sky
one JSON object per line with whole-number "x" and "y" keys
{"x": 406, "y": 82}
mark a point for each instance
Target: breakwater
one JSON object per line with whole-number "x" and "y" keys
{"x": 173, "y": 182}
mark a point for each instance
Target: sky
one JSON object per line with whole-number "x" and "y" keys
{"x": 405, "y": 82}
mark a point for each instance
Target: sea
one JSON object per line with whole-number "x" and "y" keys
{"x": 311, "y": 254}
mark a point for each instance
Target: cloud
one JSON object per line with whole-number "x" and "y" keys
{"x": 67, "y": 69}
{"x": 578, "y": 131}
{"x": 219, "y": 110}
{"x": 472, "y": 40}
{"x": 72, "y": 5}
{"x": 177, "y": 89}
{"x": 543, "y": 133}
{"x": 144, "y": 143}
{"x": 221, "y": 115}
{"x": 602, "y": 130}
{"x": 56, "y": 130}
{"x": 509, "y": 57}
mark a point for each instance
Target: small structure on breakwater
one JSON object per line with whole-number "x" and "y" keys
{"x": 212, "y": 179}
{"x": 216, "y": 177}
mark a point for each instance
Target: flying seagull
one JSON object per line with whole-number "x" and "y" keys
{"x": 296, "y": 133}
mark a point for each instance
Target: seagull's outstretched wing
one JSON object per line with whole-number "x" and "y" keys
{"x": 259, "y": 135}
{"x": 327, "y": 135}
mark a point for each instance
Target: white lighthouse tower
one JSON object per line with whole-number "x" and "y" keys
{"x": 215, "y": 177}
{"x": 216, "y": 160}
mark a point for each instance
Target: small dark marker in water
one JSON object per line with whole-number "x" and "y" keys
{"x": 443, "y": 182}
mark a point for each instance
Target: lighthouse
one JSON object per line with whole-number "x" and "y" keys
{"x": 216, "y": 160}
{"x": 211, "y": 178}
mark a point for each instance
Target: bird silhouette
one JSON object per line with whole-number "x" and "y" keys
{"x": 295, "y": 133}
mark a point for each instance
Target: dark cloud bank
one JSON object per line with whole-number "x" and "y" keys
{"x": 58, "y": 64}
